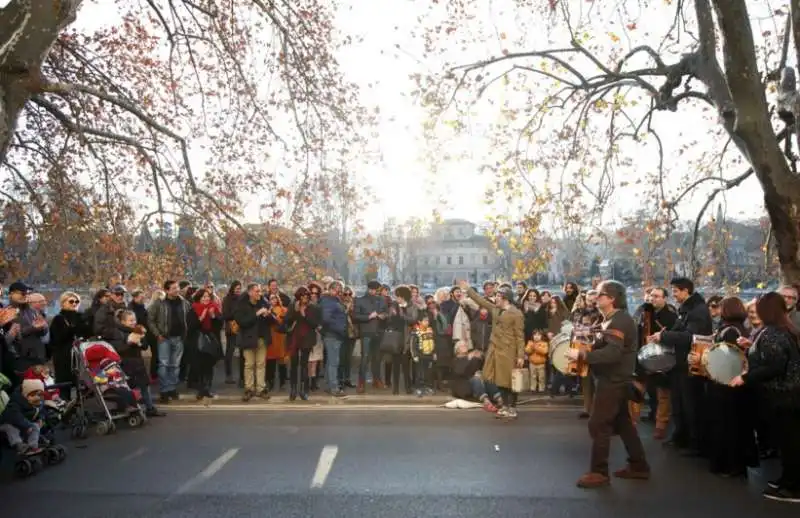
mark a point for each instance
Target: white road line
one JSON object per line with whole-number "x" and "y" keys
{"x": 324, "y": 465}
{"x": 209, "y": 472}
{"x": 137, "y": 453}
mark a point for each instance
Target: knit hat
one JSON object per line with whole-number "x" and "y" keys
{"x": 30, "y": 386}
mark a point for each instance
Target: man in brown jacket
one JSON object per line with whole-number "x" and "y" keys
{"x": 612, "y": 361}
{"x": 506, "y": 346}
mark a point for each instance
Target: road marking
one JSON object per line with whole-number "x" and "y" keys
{"x": 137, "y": 453}
{"x": 209, "y": 472}
{"x": 324, "y": 465}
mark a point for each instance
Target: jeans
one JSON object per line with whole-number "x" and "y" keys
{"x": 333, "y": 348}
{"x": 147, "y": 397}
{"x": 14, "y": 435}
{"x": 424, "y": 373}
{"x": 478, "y": 388}
{"x": 170, "y": 352}
{"x": 370, "y": 356}
{"x": 345, "y": 360}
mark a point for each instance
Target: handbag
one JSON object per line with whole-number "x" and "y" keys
{"x": 392, "y": 342}
{"x": 520, "y": 381}
{"x": 209, "y": 345}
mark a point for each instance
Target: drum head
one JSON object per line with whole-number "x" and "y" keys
{"x": 655, "y": 358}
{"x": 558, "y": 350}
{"x": 723, "y": 363}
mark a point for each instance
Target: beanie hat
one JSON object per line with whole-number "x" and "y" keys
{"x": 29, "y": 386}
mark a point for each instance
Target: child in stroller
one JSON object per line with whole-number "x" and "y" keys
{"x": 55, "y": 408}
{"x": 101, "y": 372}
{"x": 23, "y": 423}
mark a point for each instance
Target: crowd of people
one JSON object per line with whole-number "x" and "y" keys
{"x": 474, "y": 345}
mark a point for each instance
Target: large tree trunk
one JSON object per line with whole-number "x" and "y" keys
{"x": 28, "y": 29}
{"x": 754, "y": 129}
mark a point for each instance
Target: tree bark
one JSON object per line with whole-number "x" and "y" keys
{"x": 754, "y": 128}
{"x": 28, "y": 30}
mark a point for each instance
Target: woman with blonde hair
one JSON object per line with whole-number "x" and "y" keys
{"x": 66, "y": 326}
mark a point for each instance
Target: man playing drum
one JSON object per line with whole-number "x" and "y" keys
{"x": 612, "y": 361}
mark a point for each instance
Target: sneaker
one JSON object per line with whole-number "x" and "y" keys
{"x": 782, "y": 495}
{"x": 174, "y": 396}
{"x": 419, "y": 393}
{"x": 248, "y": 395}
{"x": 512, "y": 413}
{"x": 264, "y": 395}
{"x": 154, "y": 412}
{"x": 429, "y": 392}
{"x": 503, "y": 412}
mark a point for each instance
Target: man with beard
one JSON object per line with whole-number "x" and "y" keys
{"x": 612, "y": 361}
{"x": 686, "y": 390}
{"x": 656, "y": 315}
{"x": 506, "y": 346}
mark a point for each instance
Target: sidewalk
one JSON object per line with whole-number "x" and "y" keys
{"x": 232, "y": 395}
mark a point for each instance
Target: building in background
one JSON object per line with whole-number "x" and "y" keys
{"x": 452, "y": 250}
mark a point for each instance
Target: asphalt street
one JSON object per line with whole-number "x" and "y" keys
{"x": 351, "y": 462}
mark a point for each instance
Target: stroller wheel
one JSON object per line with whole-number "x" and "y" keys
{"x": 112, "y": 428}
{"x": 52, "y": 455}
{"x": 102, "y": 428}
{"x": 62, "y": 452}
{"x": 37, "y": 464}
{"x": 135, "y": 420}
{"x": 79, "y": 432}
{"x": 24, "y": 468}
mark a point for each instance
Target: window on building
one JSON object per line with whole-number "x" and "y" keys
{"x": 460, "y": 259}
{"x": 485, "y": 259}
{"x": 449, "y": 260}
{"x": 437, "y": 260}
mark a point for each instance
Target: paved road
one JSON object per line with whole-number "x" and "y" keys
{"x": 411, "y": 463}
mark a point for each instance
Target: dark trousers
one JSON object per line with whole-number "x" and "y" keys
{"x": 787, "y": 431}
{"x": 610, "y": 416}
{"x": 370, "y": 358}
{"x": 346, "y": 360}
{"x": 203, "y": 369}
{"x": 509, "y": 397}
{"x": 273, "y": 367}
{"x": 401, "y": 362}
{"x": 230, "y": 347}
{"x": 298, "y": 369}
{"x": 687, "y": 394}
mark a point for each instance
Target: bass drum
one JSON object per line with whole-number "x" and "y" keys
{"x": 723, "y": 362}
{"x": 559, "y": 346}
{"x": 656, "y": 358}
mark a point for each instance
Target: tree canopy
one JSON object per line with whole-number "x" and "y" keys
{"x": 112, "y": 114}
{"x": 587, "y": 91}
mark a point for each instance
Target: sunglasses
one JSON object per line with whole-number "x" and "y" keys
{"x": 73, "y": 302}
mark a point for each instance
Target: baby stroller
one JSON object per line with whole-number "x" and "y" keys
{"x": 100, "y": 377}
{"x": 50, "y": 454}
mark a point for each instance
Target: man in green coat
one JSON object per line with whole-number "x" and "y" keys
{"x": 506, "y": 345}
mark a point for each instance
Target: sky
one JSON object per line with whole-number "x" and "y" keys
{"x": 398, "y": 171}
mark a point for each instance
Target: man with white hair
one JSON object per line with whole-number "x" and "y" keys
{"x": 789, "y": 294}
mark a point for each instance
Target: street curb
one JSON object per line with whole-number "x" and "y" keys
{"x": 356, "y": 401}
{"x": 245, "y": 407}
